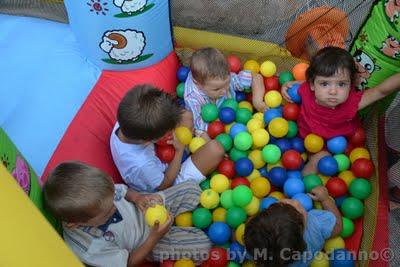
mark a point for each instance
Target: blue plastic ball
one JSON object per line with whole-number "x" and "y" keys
{"x": 294, "y": 174}
{"x": 237, "y": 128}
{"x": 298, "y": 144}
{"x": 293, "y": 93}
{"x": 227, "y": 115}
{"x": 182, "y": 73}
{"x": 328, "y": 166}
{"x": 236, "y": 252}
{"x": 293, "y": 187}
{"x": 244, "y": 167}
{"x": 185, "y": 155}
{"x": 263, "y": 172}
{"x": 305, "y": 200}
{"x": 337, "y": 145}
{"x": 339, "y": 200}
{"x": 277, "y": 176}
{"x": 266, "y": 202}
{"x": 181, "y": 102}
{"x": 341, "y": 258}
{"x": 272, "y": 113}
{"x": 219, "y": 232}
{"x": 240, "y": 96}
{"x": 283, "y": 144}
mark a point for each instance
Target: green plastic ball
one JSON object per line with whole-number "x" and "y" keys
{"x": 243, "y": 115}
{"x": 352, "y": 208}
{"x": 204, "y": 185}
{"x": 343, "y": 162}
{"x": 225, "y": 140}
{"x": 241, "y": 195}
{"x": 292, "y": 132}
{"x": 201, "y": 218}
{"x": 236, "y": 154}
{"x": 209, "y": 112}
{"x": 348, "y": 227}
{"x": 230, "y": 103}
{"x": 271, "y": 153}
{"x": 311, "y": 181}
{"x": 360, "y": 188}
{"x": 226, "y": 199}
{"x": 235, "y": 216}
{"x": 243, "y": 141}
{"x": 180, "y": 90}
{"x": 285, "y": 76}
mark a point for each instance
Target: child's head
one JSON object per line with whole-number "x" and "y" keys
{"x": 331, "y": 73}
{"x": 210, "y": 71}
{"x": 79, "y": 194}
{"x": 146, "y": 113}
{"x": 274, "y": 236}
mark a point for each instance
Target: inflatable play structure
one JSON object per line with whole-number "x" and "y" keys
{"x": 61, "y": 84}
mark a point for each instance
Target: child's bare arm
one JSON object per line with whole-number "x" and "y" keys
{"x": 258, "y": 91}
{"x": 320, "y": 193}
{"x": 373, "y": 94}
{"x": 143, "y": 201}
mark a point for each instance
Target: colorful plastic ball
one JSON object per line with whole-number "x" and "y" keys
{"x": 358, "y": 138}
{"x": 292, "y": 129}
{"x": 277, "y": 176}
{"x": 254, "y": 124}
{"x": 233, "y": 264}
{"x": 239, "y": 181}
{"x": 219, "y": 257}
{"x": 254, "y": 174}
{"x": 293, "y": 186}
{"x": 291, "y": 159}
{"x": 348, "y": 227}
{"x": 260, "y": 137}
{"x": 240, "y": 96}
{"x": 243, "y": 141}
{"x": 299, "y": 71}
{"x": 209, "y": 112}
{"x": 278, "y": 127}
{"x": 285, "y": 76}
{"x": 271, "y": 114}
{"x": 219, "y": 183}
{"x": 263, "y": 172}
{"x": 273, "y": 99}
{"x": 157, "y": 213}
{"x": 184, "y": 135}
{"x": 253, "y": 207}
{"x": 268, "y": 68}
{"x": 184, "y": 263}
{"x": 320, "y": 260}
{"x": 181, "y": 102}
{"x": 294, "y": 174}
{"x": 165, "y": 263}
{"x": 343, "y": 162}
{"x": 227, "y": 115}
{"x": 237, "y": 128}
{"x": 236, "y": 252}
{"x": 313, "y": 143}
{"x": 239, "y": 234}
{"x": 347, "y": 176}
{"x": 241, "y": 195}
{"x": 311, "y": 181}
{"x": 271, "y": 153}
{"x": 201, "y": 218}
{"x": 180, "y": 90}
{"x": 291, "y": 111}
{"x": 305, "y": 200}
{"x": 283, "y": 143}
{"x": 328, "y": 166}
{"x": 352, "y": 208}
{"x": 360, "y": 188}
{"x": 342, "y": 258}
{"x": 235, "y": 216}
{"x": 235, "y": 154}
{"x": 337, "y": 145}
{"x": 230, "y": 103}
{"x": 234, "y": 63}
{"x": 209, "y": 199}
{"x": 334, "y": 243}
{"x": 260, "y": 187}
{"x": 219, "y": 232}
{"x": 252, "y": 66}
{"x": 278, "y": 195}
{"x": 215, "y": 128}
{"x": 359, "y": 153}
{"x": 297, "y": 144}
{"x": 227, "y": 168}
{"x": 226, "y": 199}
{"x": 165, "y": 153}
{"x": 339, "y": 200}
{"x": 362, "y": 168}
{"x": 219, "y": 215}
{"x": 184, "y": 219}
{"x": 336, "y": 187}
{"x": 205, "y": 184}
{"x": 196, "y": 143}
{"x": 248, "y": 263}
{"x": 266, "y": 202}
{"x": 243, "y": 115}
{"x": 182, "y": 73}
{"x": 246, "y": 105}
{"x": 271, "y": 83}
{"x": 293, "y": 93}
{"x": 244, "y": 167}
{"x": 256, "y": 158}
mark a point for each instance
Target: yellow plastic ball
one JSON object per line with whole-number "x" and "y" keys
{"x": 333, "y": 243}
{"x": 209, "y": 199}
{"x": 184, "y": 263}
{"x": 359, "y": 153}
{"x": 317, "y": 205}
{"x": 254, "y": 174}
{"x": 239, "y": 234}
{"x": 278, "y": 195}
{"x": 246, "y": 105}
{"x": 248, "y": 264}
{"x": 268, "y": 68}
{"x": 228, "y": 127}
{"x": 304, "y": 156}
{"x": 184, "y": 135}
{"x": 278, "y": 127}
{"x": 260, "y": 138}
{"x": 259, "y": 116}
{"x": 254, "y": 124}
{"x": 313, "y": 143}
{"x": 184, "y": 219}
{"x": 256, "y": 158}
{"x": 253, "y": 207}
{"x": 320, "y": 260}
{"x": 324, "y": 178}
{"x": 252, "y": 66}
{"x": 260, "y": 187}
{"x": 156, "y": 213}
{"x": 273, "y": 99}
{"x": 219, "y": 215}
{"x": 196, "y": 143}
{"x": 276, "y": 164}
{"x": 219, "y": 183}
{"x": 347, "y": 176}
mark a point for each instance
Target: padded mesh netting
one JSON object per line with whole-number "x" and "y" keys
{"x": 392, "y": 132}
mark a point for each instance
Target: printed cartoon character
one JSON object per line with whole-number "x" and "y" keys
{"x": 123, "y": 45}
{"x": 130, "y": 6}
{"x": 392, "y": 9}
{"x": 391, "y": 47}
{"x": 365, "y": 67}
{"x": 21, "y": 174}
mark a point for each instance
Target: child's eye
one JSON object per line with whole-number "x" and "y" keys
{"x": 324, "y": 84}
{"x": 342, "y": 84}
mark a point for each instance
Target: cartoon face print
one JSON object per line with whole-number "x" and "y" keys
{"x": 21, "y": 174}
{"x": 365, "y": 67}
{"x": 392, "y": 9}
{"x": 390, "y": 47}
{"x": 109, "y": 236}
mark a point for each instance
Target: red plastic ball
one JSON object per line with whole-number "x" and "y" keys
{"x": 163, "y": 140}
{"x": 167, "y": 263}
{"x": 218, "y": 257}
{"x": 234, "y": 63}
{"x": 291, "y": 159}
{"x": 348, "y": 149}
{"x": 358, "y": 138}
{"x": 249, "y": 97}
{"x": 227, "y": 168}
{"x": 362, "y": 168}
{"x": 215, "y": 128}
{"x": 291, "y": 111}
{"x": 271, "y": 83}
{"x": 336, "y": 187}
{"x": 165, "y": 153}
{"x": 239, "y": 181}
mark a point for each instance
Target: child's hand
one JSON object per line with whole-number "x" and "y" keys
{"x": 319, "y": 193}
{"x": 179, "y": 147}
{"x": 187, "y": 119}
{"x": 260, "y": 106}
{"x": 285, "y": 87}
{"x": 158, "y": 231}
{"x": 144, "y": 201}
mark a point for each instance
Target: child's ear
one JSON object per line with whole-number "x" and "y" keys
{"x": 312, "y": 86}
{"x": 72, "y": 225}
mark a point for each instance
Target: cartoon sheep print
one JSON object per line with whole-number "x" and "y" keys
{"x": 130, "y": 6}
{"x": 123, "y": 45}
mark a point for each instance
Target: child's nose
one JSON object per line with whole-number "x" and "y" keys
{"x": 332, "y": 90}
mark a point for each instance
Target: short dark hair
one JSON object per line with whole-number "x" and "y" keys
{"x": 328, "y": 61}
{"x": 147, "y": 113}
{"x": 208, "y": 63}
{"x": 276, "y": 230}
{"x": 75, "y": 192}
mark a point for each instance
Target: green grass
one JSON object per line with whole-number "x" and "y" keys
{"x": 139, "y": 59}
{"x": 126, "y": 15}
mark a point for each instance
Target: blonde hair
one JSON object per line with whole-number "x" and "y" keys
{"x": 208, "y": 63}
{"x": 75, "y": 192}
